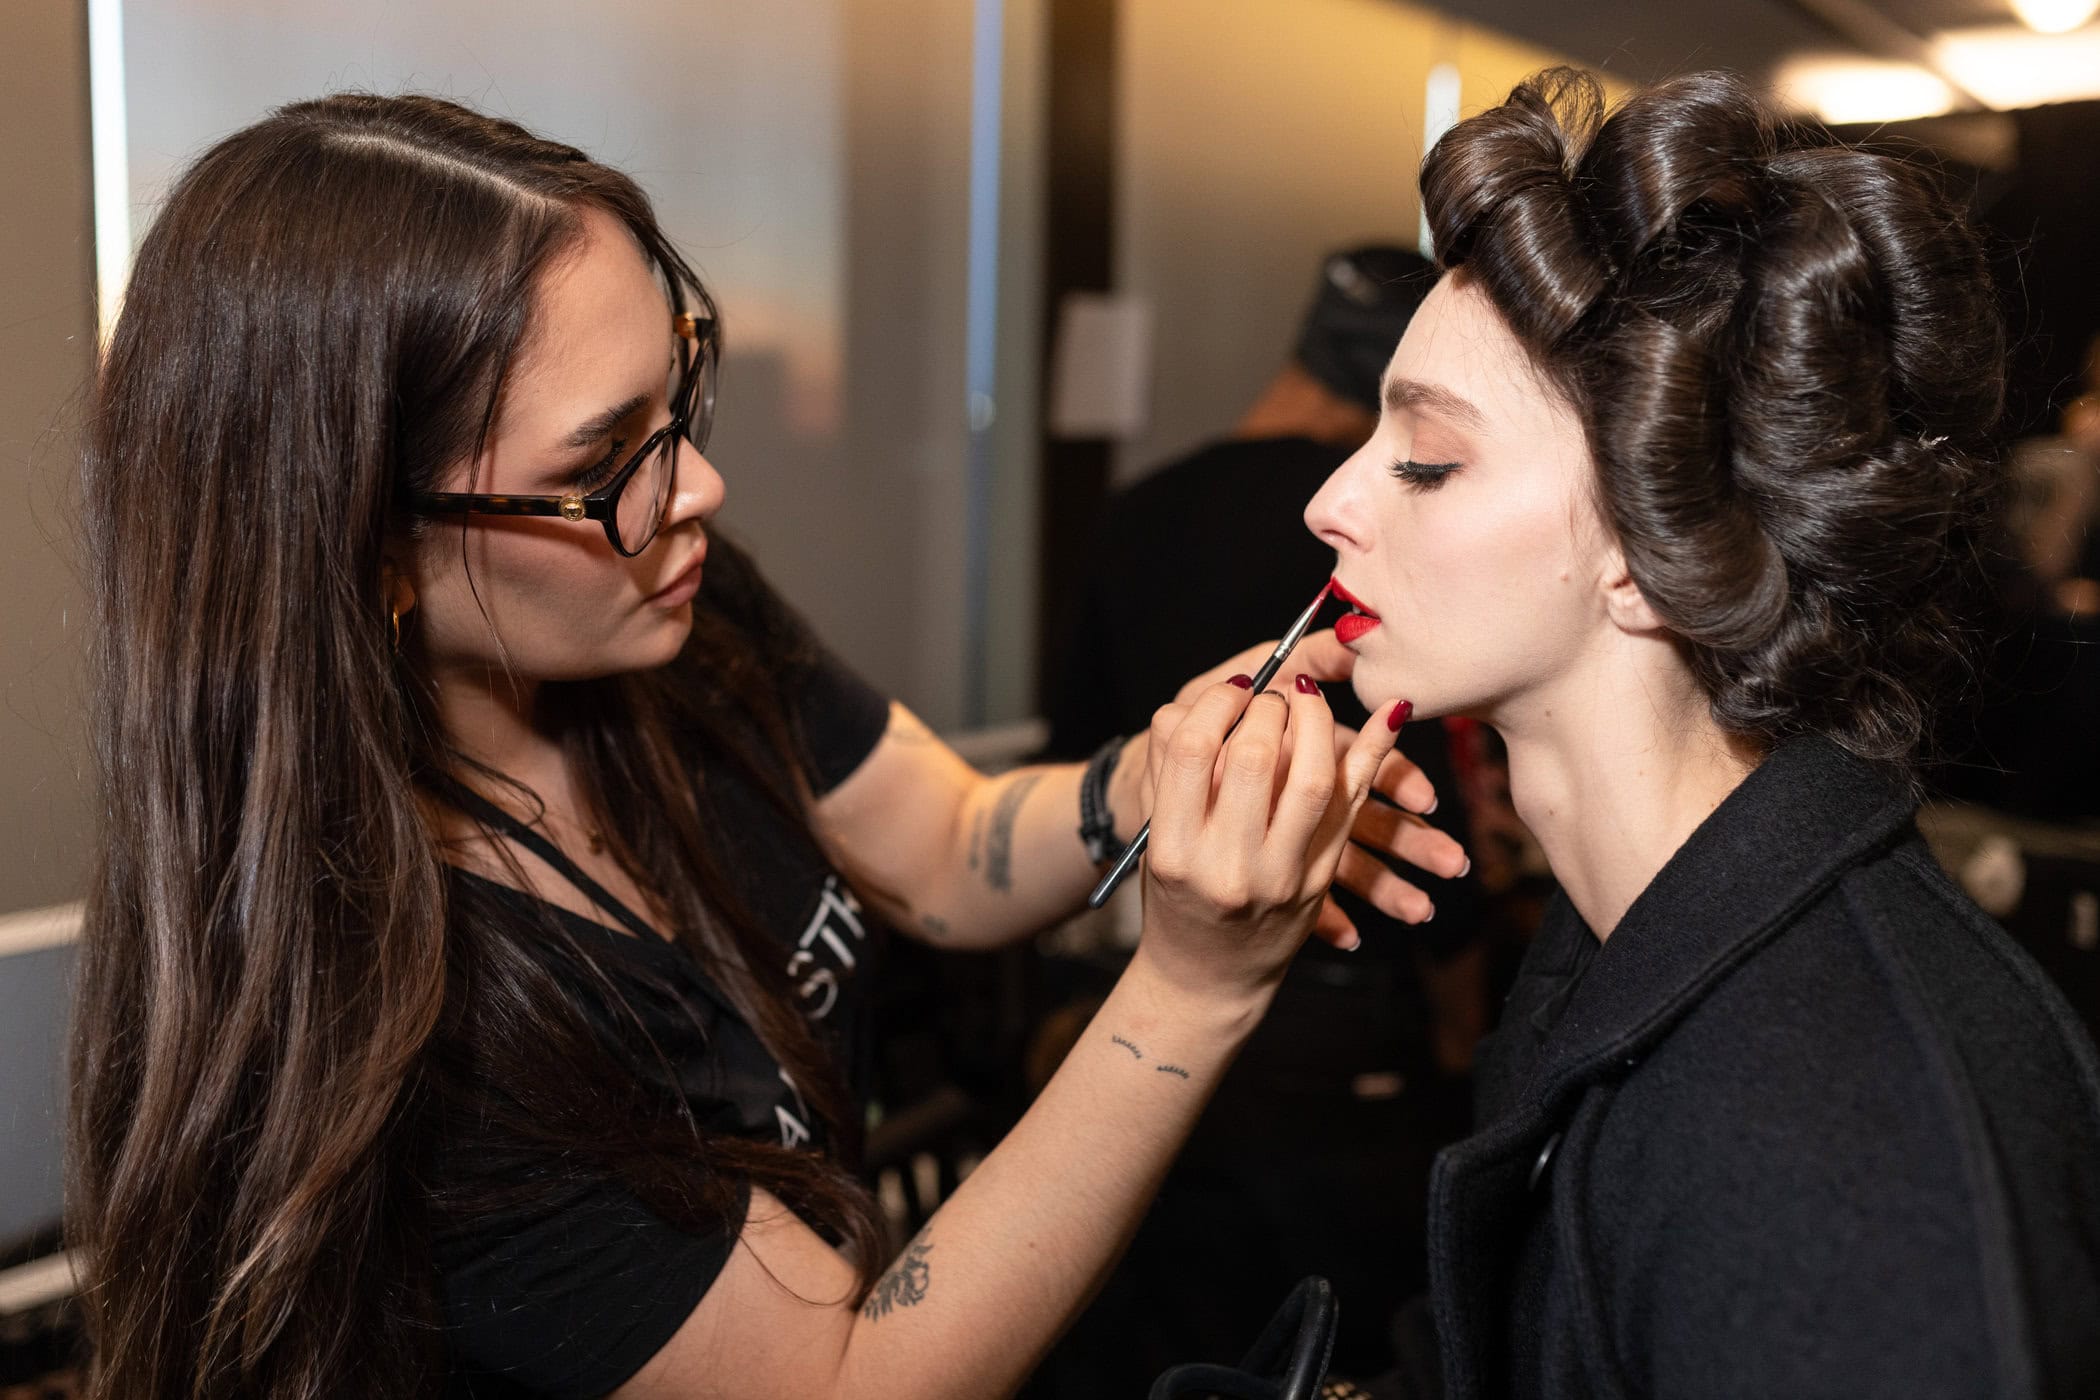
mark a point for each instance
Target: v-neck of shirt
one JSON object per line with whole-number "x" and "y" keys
{"x": 569, "y": 916}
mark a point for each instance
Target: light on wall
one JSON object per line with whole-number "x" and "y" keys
{"x": 2054, "y": 16}
{"x": 111, "y": 153}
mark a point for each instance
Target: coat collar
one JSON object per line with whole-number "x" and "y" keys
{"x": 1775, "y": 844}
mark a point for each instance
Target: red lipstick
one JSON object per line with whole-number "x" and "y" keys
{"x": 1359, "y": 621}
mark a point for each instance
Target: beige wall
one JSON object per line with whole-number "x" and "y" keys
{"x": 1257, "y": 135}
{"x": 46, "y": 355}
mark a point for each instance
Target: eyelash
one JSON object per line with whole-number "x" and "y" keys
{"x": 1422, "y": 476}
{"x": 600, "y": 472}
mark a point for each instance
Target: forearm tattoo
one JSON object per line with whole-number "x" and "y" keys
{"x": 999, "y": 840}
{"x": 906, "y": 1282}
{"x": 1128, "y": 1044}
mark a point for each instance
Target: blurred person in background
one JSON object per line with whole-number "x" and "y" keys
{"x": 1314, "y": 1156}
{"x": 2057, "y": 501}
{"x": 1684, "y": 483}
{"x": 2035, "y": 751}
{"x": 471, "y": 991}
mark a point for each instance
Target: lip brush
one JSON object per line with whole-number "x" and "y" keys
{"x": 1127, "y": 862}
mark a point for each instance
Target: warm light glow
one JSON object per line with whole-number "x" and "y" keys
{"x": 2054, "y": 16}
{"x": 111, "y": 153}
{"x": 1439, "y": 115}
{"x": 1846, "y": 90}
{"x": 2008, "y": 67}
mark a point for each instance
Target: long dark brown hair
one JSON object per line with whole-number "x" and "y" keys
{"x": 283, "y": 1001}
{"x": 1788, "y": 359}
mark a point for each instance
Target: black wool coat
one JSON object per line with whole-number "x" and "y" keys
{"x": 1807, "y": 1124}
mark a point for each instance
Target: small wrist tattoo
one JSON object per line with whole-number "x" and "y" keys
{"x": 1173, "y": 1069}
{"x": 1130, "y": 1047}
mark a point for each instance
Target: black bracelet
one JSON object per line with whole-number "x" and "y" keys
{"x": 1097, "y": 825}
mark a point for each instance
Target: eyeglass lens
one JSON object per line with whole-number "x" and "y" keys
{"x": 647, "y": 494}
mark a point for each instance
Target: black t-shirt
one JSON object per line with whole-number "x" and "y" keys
{"x": 570, "y": 1302}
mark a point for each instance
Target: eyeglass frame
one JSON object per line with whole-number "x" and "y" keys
{"x": 603, "y": 504}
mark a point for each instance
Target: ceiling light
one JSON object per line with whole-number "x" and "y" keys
{"x": 1842, "y": 91}
{"x": 2008, "y": 67}
{"x": 2054, "y": 16}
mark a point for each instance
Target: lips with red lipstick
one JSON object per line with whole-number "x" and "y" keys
{"x": 1359, "y": 620}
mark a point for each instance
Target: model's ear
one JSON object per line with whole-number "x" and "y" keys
{"x": 1624, "y": 602}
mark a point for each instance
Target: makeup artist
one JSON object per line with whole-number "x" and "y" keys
{"x": 492, "y": 867}
{"x": 1683, "y": 482}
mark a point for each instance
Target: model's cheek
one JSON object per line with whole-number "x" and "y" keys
{"x": 1481, "y": 579}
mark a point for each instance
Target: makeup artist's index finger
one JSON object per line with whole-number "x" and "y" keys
{"x": 1183, "y": 789}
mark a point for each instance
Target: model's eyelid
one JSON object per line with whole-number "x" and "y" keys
{"x": 1422, "y": 476}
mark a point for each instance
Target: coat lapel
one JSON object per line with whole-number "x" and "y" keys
{"x": 1810, "y": 812}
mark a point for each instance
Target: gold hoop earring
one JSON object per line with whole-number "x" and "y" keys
{"x": 393, "y": 617}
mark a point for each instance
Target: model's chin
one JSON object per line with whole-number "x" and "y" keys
{"x": 1378, "y": 682}
{"x": 1375, "y": 682}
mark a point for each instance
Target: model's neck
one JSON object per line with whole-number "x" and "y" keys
{"x": 1615, "y": 768}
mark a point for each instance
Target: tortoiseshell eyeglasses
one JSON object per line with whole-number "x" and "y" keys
{"x": 632, "y": 503}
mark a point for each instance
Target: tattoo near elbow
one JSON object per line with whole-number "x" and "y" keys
{"x": 906, "y": 1282}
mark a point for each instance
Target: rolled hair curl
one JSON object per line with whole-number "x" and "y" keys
{"x": 1787, "y": 358}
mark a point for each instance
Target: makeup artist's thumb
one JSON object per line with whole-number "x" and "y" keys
{"x": 1322, "y": 657}
{"x": 1377, "y": 738}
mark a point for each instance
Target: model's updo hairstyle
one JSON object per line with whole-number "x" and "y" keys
{"x": 1787, "y": 356}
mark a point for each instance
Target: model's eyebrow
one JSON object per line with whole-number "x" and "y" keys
{"x": 1414, "y": 394}
{"x": 596, "y": 429}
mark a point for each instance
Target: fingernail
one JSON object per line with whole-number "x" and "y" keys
{"x": 1307, "y": 685}
{"x": 1356, "y": 940}
{"x": 1400, "y": 715}
{"x": 1465, "y": 870}
{"x": 1430, "y": 915}
{"x": 1243, "y": 682}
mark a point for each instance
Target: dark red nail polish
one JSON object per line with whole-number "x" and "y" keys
{"x": 1307, "y": 685}
{"x": 1243, "y": 682}
{"x": 1399, "y": 716}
